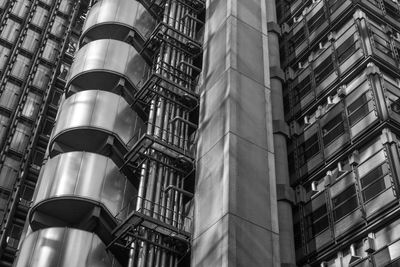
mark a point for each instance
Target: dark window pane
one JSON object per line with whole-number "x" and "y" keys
{"x": 374, "y": 189}
{"x": 345, "y": 195}
{"x": 371, "y": 176}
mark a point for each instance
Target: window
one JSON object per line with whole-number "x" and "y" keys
{"x": 373, "y": 183}
{"x": 10, "y": 96}
{"x": 4, "y": 197}
{"x": 344, "y": 203}
{"x": 20, "y": 8}
{"x": 316, "y": 20}
{"x": 10, "y": 31}
{"x": 9, "y": 173}
{"x": 31, "y": 41}
{"x": 323, "y": 69}
{"x": 59, "y": 26}
{"x": 381, "y": 41}
{"x": 317, "y": 221}
{"x": 20, "y": 139}
{"x": 390, "y": 10}
{"x": 297, "y": 39}
{"x": 335, "y": 4}
{"x": 4, "y": 120}
{"x": 4, "y": 54}
{"x": 50, "y": 50}
{"x": 346, "y": 49}
{"x": 31, "y": 106}
{"x": 42, "y": 77}
{"x": 55, "y": 97}
{"x": 21, "y": 67}
{"x": 40, "y": 17}
{"x": 333, "y": 129}
{"x": 358, "y": 109}
{"x": 301, "y": 89}
{"x": 309, "y": 148}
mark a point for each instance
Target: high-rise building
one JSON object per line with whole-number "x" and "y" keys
{"x": 36, "y": 47}
{"x": 204, "y": 133}
{"x": 341, "y": 61}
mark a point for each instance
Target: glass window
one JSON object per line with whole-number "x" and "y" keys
{"x": 335, "y": 4}
{"x": 344, "y": 203}
{"x": 9, "y": 173}
{"x": 301, "y": 89}
{"x": 316, "y": 20}
{"x": 346, "y": 49}
{"x": 316, "y": 221}
{"x": 50, "y": 51}
{"x": 56, "y": 97}
{"x": 309, "y": 148}
{"x": 323, "y": 69}
{"x": 20, "y": 8}
{"x": 358, "y": 109}
{"x": 59, "y": 27}
{"x": 20, "y": 138}
{"x": 32, "y": 105}
{"x": 42, "y": 77}
{"x": 31, "y": 41}
{"x": 3, "y": 128}
{"x": 65, "y": 6}
{"x": 373, "y": 183}
{"x": 9, "y": 97}
{"x": 333, "y": 129}
{"x": 40, "y": 17}
{"x": 4, "y": 56}
{"x": 10, "y": 31}
{"x": 4, "y": 197}
{"x": 297, "y": 39}
{"x": 21, "y": 67}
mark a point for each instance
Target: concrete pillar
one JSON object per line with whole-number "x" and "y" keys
{"x": 236, "y": 217}
{"x": 285, "y": 193}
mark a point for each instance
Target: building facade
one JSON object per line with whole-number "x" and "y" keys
{"x": 200, "y": 133}
{"x": 36, "y": 47}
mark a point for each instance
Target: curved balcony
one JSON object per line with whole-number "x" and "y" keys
{"x": 95, "y": 121}
{"x": 107, "y": 65}
{"x": 83, "y": 190}
{"x": 64, "y": 247}
{"x": 116, "y": 19}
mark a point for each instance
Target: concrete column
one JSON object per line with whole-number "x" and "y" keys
{"x": 236, "y": 217}
{"x": 285, "y": 193}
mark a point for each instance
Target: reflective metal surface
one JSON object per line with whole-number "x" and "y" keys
{"x": 101, "y": 64}
{"x": 114, "y": 19}
{"x": 71, "y": 184}
{"x": 87, "y": 119}
{"x": 64, "y": 247}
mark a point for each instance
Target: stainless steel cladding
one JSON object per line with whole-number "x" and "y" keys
{"x": 72, "y": 184}
{"x": 64, "y": 247}
{"x": 114, "y": 19}
{"x": 88, "y": 119}
{"x": 101, "y": 64}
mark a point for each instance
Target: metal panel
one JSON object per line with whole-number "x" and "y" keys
{"x": 110, "y": 19}
{"x": 64, "y": 247}
{"x": 101, "y": 64}
{"x": 81, "y": 177}
{"x": 94, "y": 116}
